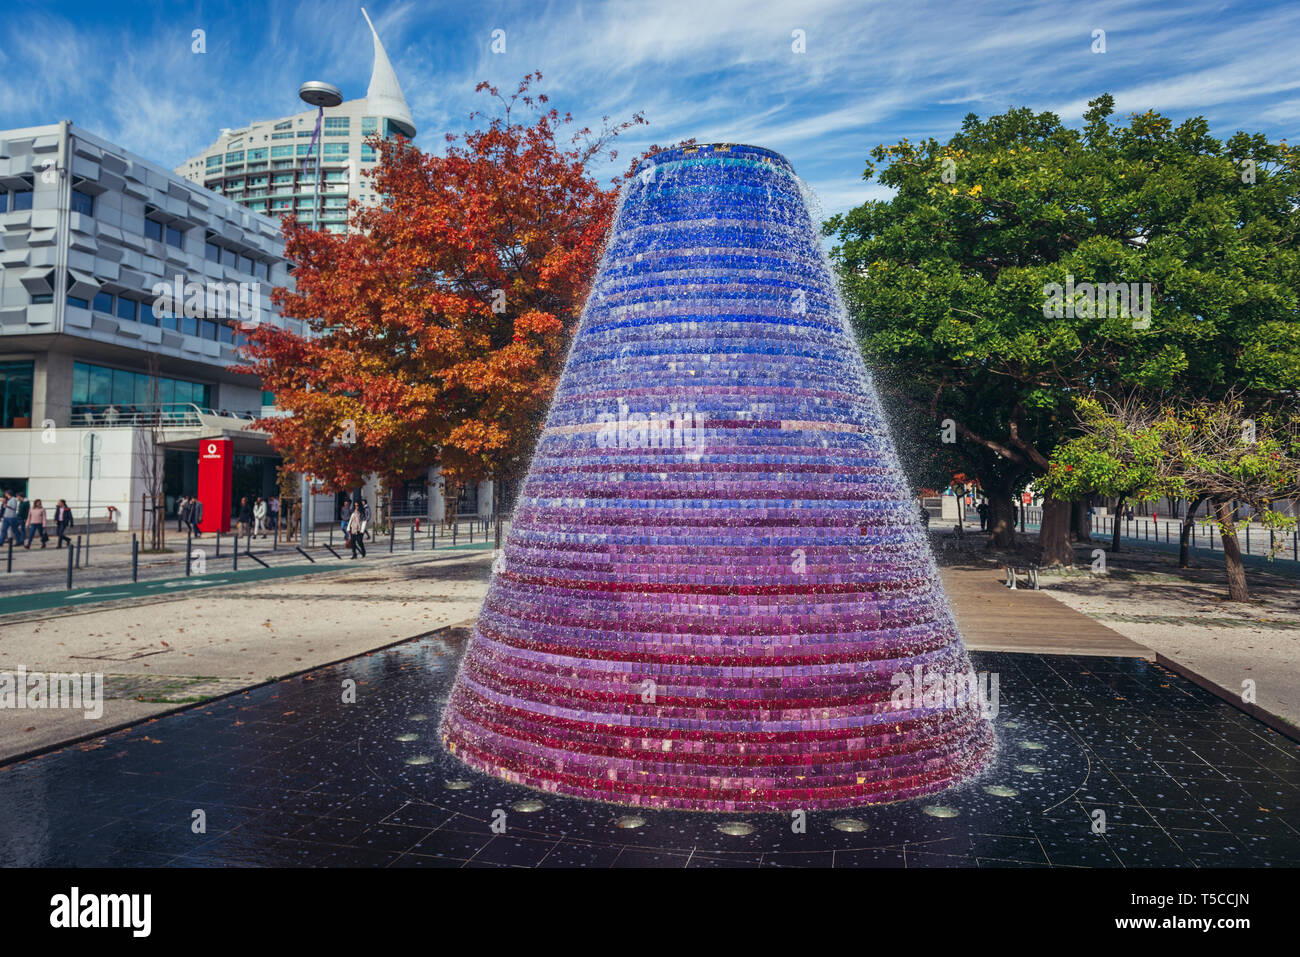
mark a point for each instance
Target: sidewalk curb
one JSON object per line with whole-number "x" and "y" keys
{"x": 1278, "y": 724}
{"x": 187, "y": 706}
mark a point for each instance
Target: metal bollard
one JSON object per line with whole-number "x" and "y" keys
{"x": 9, "y": 565}
{"x": 218, "y": 543}
{"x": 69, "y": 568}
{"x": 135, "y": 558}
{"x": 392, "y": 535}
{"x": 412, "y": 536}
{"x": 234, "y": 562}
{"x": 189, "y": 555}
{"x": 78, "y": 551}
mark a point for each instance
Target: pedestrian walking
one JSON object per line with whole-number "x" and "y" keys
{"x": 245, "y": 519}
{"x": 62, "y": 520}
{"x": 357, "y": 532}
{"x": 259, "y": 517}
{"x": 196, "y": 516}
{"x": 8, "y": 517}
{"x": 983, "y": 510}
{"x": 36, "y": 525}
{"x": 365, "y": 521}
{"x": 273, "y": 511}
{"x": 181, "y": 504}
{"x": 20, "y": 516}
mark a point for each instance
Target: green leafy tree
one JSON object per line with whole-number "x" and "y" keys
{"x": 1216, "y": 452}
{"x": 951, "y": 282}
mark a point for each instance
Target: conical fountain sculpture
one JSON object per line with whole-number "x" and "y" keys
{"x": 717, "y": 593}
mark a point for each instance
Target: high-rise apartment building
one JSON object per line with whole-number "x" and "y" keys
{"x": 265, "y": 165}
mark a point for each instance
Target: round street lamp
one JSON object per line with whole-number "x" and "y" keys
{"x": 319, "y": 94}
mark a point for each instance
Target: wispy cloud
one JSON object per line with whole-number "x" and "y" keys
{"x": 719, "y": 70}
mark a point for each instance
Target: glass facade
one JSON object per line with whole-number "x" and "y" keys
{"x": 16, "y": 392}
{"x": 95, "y": 387}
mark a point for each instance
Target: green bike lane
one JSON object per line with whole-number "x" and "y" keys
{"x": 171, "y": 588}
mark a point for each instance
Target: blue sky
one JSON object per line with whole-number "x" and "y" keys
{"x": 716, "y": 70}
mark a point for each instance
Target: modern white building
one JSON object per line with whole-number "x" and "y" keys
{"x": 123, "y": 292}
{"x": 265, "y": 165}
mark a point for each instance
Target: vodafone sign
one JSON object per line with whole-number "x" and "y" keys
{"x": 216, "y": 479}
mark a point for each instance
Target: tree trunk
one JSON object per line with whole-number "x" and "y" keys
{"x": 1185, "y": 532}
{"x": 1001, "y": 516}
{"x": 1080, "y": 527}
{"x": 1237, "y": 590}
{"x": 1054, "y": 533}
{"x": 1115, "y": 523}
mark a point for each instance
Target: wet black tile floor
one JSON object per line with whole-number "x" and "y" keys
{"x": 1102, "y": 762}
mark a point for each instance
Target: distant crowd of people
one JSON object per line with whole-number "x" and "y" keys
{"x": 22, "y": 522}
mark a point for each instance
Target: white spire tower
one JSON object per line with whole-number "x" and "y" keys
{"x": 385, "y": 93}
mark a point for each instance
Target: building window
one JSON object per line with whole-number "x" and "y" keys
{"x": 16, "y": 392}
{"x": 174, "y": 237}
{"x": 83, "y": 203}
{"x": 281, "y": 151}
{"x": 77, "y": 301}
{"x": 213, "y": 162}
{"x": 336, "y": 149}
{"x": 368, "y": 154}
{"x": 95, "y": 388}
{"x": 286, "y": 125}
{"x": 153, "y": 229}
{"x": 245, "y": 264}
{"x": 258, "y": 154}
{"x": 229, "y": 258}
{"x": 281, "y": 136}
{"x": 237, "y": 157}
{"x": 337, "y": 122}
{"x": 4, "y": 201}
{"x": 369, "y": 124}
{"x": 104, "y": 302}
{"x": 212, "y": 251}
{"x": 126, "y": 308}
{"x": 306, "y": 134}
{"x": 22, "y": 199}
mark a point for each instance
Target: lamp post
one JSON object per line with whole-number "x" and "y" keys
{"x": 320, "y": 95}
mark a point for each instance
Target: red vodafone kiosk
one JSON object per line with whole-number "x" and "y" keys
{"x": 216, "y": 480}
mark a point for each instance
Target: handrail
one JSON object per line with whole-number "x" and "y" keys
{"x": 166, "y": 415}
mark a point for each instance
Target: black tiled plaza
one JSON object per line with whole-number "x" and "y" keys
{"x": 289, "y": 775}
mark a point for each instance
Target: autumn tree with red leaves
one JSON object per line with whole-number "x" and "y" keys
{"x": 439, "y": 322}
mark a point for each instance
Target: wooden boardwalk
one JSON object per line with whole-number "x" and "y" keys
{"x": 992, "y": 617}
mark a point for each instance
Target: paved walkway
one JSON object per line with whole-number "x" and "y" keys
{"x": 992, "y": 617}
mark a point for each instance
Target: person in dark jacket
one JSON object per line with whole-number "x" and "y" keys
{"x": 245, "y": 517}
{"x": 62, "y": 521}
{"x": 195, "y": 515}
{"x": 182, "y": 504}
